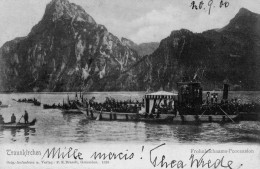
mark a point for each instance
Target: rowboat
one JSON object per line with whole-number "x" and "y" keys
{"x": 37, "y": 103}
{"x": 18, "y": 125}
{"x": 4, "y": 106}
{"x": 34, "y": 102}
{"x": 46, "y": 106}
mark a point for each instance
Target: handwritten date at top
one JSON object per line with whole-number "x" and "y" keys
{"x": 199, "y": 5}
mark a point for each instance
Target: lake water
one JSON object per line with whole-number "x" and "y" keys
{"x": 55, "y": 127}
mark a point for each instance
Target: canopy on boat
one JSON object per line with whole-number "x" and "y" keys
{"x": 162, "y": 95}
{"x": 153, "y": 99}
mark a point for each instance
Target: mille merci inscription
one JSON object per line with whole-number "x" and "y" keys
{"x": 157, "y": 161}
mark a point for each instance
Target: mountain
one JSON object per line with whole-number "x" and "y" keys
{"x": 143, "y": 48}
{"x": 66, "y": 51}
{"x": 230, "y": 54}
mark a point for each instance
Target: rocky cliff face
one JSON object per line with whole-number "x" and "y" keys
{"x": 229, "y": 54}
{"x": 65, "y": 51}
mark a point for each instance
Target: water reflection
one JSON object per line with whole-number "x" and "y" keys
{"x": 83, "y": 122}
{"x": 243, "y": 132}
{"x": 187, "y": 133}
{"x": 172, "y": 133}
{"x": 13, "y": 132}
{"x": 69, "y": 118}
{"x": 28, "y": 132}
{"x": 17, "y": 134}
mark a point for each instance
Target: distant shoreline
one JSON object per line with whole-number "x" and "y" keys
{"x": 217, "y": 91}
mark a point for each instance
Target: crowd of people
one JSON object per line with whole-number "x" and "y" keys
{"x": 230, "y": 107}
{"x": 111, "y": 104}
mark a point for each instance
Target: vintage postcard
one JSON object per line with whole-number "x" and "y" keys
{"x": 128, "y": 84}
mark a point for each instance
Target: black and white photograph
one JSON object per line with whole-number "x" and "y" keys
{"x": 125, "y": 78}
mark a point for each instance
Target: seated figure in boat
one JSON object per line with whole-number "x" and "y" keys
{"x": 157, "y": 112}
{"x": 1, "y": 119}
{"x": 13, "y": 118}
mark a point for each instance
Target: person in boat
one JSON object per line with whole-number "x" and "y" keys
{"x": 157, "y": 112}
{"x": 1, "y": 119}
{"x": 13, "y": 118}
{"x": 26, "y": 117}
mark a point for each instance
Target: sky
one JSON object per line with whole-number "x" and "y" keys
{"x": 138, "y": 20}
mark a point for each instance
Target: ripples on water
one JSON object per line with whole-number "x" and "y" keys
{"x": 55, "y": 127}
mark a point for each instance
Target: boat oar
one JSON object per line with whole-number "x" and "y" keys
{"x": 19, "y": 120}
{"x": 98, "y": 117}
{"x": 226, "y": 114}
{"x": 203, "y": 113}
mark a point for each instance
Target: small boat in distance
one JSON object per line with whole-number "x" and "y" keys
{"x": 34, "y": 101}
{"x": 18, "y": 125}
{"x": 3, "y": 105}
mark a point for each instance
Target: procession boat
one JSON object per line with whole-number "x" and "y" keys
{"x": 163, "y": 118}
{"x": 46, "y": 106}
{"x": 18, "y": 125}
{"x": 110, "y": 116}
{"x": 188, "y": 98}
{"x": 37, "y": 103}
{"x": 24, "y": 101}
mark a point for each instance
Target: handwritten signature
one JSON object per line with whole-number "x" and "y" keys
{"x": 196, "y": 162}
{"x": 203, "y": 5}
